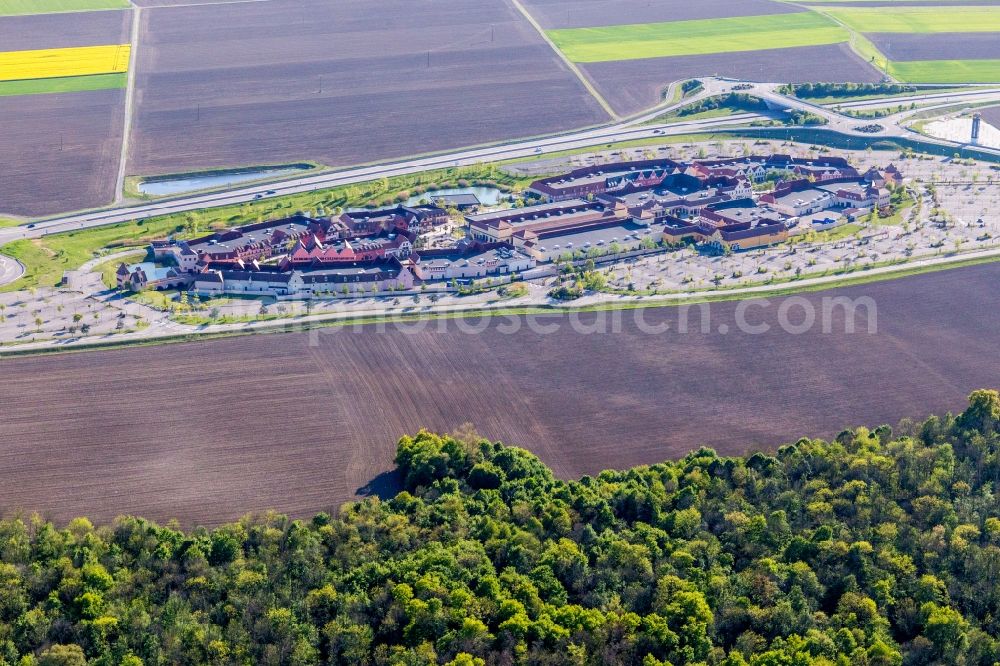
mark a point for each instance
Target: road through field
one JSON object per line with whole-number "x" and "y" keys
{"x": 129, "y": 103}
{"x": 566, "y": 61}
{"x": 301, "y": 422}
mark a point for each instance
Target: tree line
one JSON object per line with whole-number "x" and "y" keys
{"x": 879, "y": 548}
{"x": 814, "y": 90}
{"x": 733, "y": 100}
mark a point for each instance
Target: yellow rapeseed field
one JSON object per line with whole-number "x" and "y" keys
{"x": 50, "y": 63}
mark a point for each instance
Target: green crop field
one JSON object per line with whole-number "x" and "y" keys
{"x": 679, "y": 38}
{"x": 14, "y": 7}
{"x": 62, "y": 84}
{"x": 917, "y": 19}
{"x": 946, "y": 71}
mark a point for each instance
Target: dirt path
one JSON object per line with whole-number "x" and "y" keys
{"x": 129, "y": 97}
{"x": 566, "y": 61}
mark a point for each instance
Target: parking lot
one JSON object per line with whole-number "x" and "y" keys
{"x": 50, "y": 314}
{"x": 955, "y": 211}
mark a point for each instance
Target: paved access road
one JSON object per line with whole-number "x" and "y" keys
{"x": 893, "y": 125}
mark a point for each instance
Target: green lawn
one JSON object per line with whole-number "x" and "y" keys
{"x": 677, "y": 38}
{"x": 837, "y": 233}
{"x": 947, "y": 71}
{"x": 918, "y": 19}
{"x": 894, "y": 220}
{"x": 108, "y": 269}
{"x": 721, "y": 112}
{"x": 63, "y": 84}
{"x": 13, "y": 7}
{"x": 158, "y": 300}
{"x": 48, "y": 267}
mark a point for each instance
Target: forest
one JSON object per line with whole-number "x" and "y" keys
{"x": 881, "y": 547}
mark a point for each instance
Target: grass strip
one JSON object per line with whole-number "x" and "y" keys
{"x": 19, "y": 7}
{"x": 63, "y": 84}
{"x": 698, "y": 37}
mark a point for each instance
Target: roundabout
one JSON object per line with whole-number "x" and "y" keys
{"x": 10, "y": 270}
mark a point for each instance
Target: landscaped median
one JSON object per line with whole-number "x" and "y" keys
{"x": 63, "y": 84}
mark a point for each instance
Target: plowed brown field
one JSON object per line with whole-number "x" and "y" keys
{"x": 207, "y": 431}
{"x": 342, "y": 83}
{"x": 633, "y": 85}
{"x": 992, "y": 115}
{"x": 553, "y": 14}
{"x": 938, "y": 45}
{"x": 60, "y": 151}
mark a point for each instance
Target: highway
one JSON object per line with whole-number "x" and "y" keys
{"x": 629, "y": 129}
{"x": 949, "y": 98}
{"x": 893, "y": 125}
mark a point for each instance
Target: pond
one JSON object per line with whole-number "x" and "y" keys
{"x": 488, "y": 196}
{"x": 192, "y": 182}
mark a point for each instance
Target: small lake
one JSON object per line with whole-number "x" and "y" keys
{"x": 960, "y": 129}
{"x": 190, "y": 183}
{"x": 488, "y": 196}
